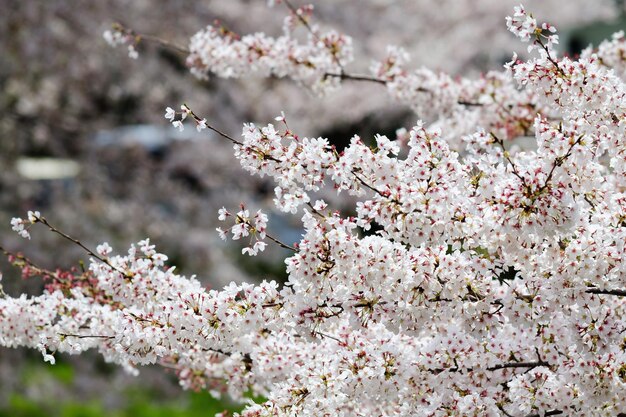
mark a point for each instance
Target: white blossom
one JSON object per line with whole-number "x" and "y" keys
{"x": 18, "y": 225}
{"x": 472, "y": 277}
{"x": 170, "y": 114}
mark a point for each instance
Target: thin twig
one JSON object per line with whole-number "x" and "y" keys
{"x": 138, "y": 37}
{"x": 368, "y": 186}
{"x": 559, "y": 161}
{"x": 507, "y": 156}
{"x": 105, "y": 261}
{"x": 219, "y": 132}
{"x": 507, "y": 365}
{"x": 530, "y": 365}
{"x": 356, "y": 77}
{"x": 501, "y": 408}
{"x": 270, "y": 237}
{"x": 550, "y": 58}
{"x": 281, "y": 244}
{"x": 547, "y": 413}
{"x": 86, "y": 336}
{"x": 165, "y": 43}
{"x": 317, "y": 212}
{"x": 30, "y": 263}
{"x": 228, "y": 137}
{"x": 327, "y": 335}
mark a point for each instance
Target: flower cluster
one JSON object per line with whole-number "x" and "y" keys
{"x": 21, "y": 225}
{"x": 246, "y": 226}
{"x": 315, "y": 63}
{"x": 521, "y": 24}
{"x": 171, "y": 114}
{"x": 525, "y": 27}
{"x": 612, "y": 53}
{"x": 473, "y": 277}
{"x": 118, "y": 35}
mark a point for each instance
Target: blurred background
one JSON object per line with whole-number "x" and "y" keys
{"x": 83, "y": 140}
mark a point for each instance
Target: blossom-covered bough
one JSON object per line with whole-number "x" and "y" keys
{"x": 474, "y": 279}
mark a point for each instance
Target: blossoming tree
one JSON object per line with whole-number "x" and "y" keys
{"x": 472, "y": 278}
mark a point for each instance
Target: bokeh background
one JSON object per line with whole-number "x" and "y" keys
{"x": 83, "y": 140}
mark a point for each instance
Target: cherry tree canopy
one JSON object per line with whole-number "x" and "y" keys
{"x": 473, "y": 278}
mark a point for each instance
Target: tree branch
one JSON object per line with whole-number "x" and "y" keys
{"x": 530, "y": 365}
{"x": 547, "y": 413}
{"x": 619, "y": 293}
{"x": 105, "y": 261}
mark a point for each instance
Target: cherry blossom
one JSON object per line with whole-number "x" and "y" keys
{"x": 244, "y": 226}
{"x": 119, "y": 35}
{"x": 472, "y": 277}
{"x": 217, "y": 50}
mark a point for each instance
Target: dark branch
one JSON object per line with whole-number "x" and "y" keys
{"x": 86, "y": 336}
{"x": 165, "y": 43}
{"x": 105, "y": 261}
{"x": 356, "y": 77}
{"x": 518, "y": 365}
{"x": 508, "y": 158}
{"x": 547, "y": 413}
{"x": 619, "y": 293}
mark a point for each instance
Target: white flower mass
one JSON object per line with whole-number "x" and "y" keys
{"x": 407, "y": 306}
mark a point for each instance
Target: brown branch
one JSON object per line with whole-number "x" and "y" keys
{"x": 508, "y": 158}
{"x": 315, "y": 211}
{"x": 281, "y": 244}
{"x": 164, "y": 43}
{"x": 271, "y": 305}
{"x": 86, "y": 336}
{"x": 270, "y": 237}
{"x": 89, "y": 336}
{"x": 368, "y": 186}
{"x": 138, "y": 37}
{"x": 342, "y": 75}
{"x": 501, "y": 408}
{"x": 469, "y": 103}
{"x": 228, "y": 137}
{"x": 509, "y": 365}
{"x": 356, "y": 77}
{"x": 368, "y": 78}
{"x": 600, "y": 291}
{"x": 224, "y": 135}
{"x": 326, "y": 335}
{"x": 339, "y": 308}
{"x": 547, "y": 413}
{"x": 105, "y": 261}
{"x": 220, "y": 351}
{"x": 219, "y": 132}
{"x": 558, "y": 161}
{"x": 550, "y": 58}
{"x": 26, "y": 261}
